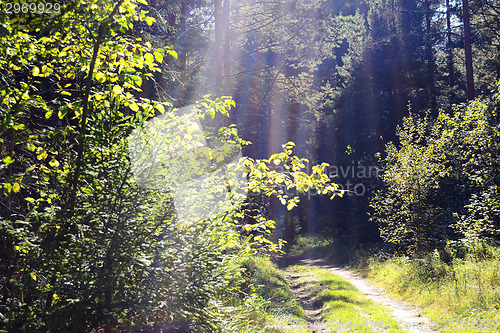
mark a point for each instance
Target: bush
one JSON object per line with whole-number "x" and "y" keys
{"x": 442, "y": 182}
{"x": 265, "y": 279}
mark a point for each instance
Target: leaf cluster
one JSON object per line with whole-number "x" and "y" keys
{"x": 441, "y": 182}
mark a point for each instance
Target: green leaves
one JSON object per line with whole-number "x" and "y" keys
{"x": 159, "y": 56}
{"x": 283, "y": 172}
{"x": 117, "y": 90}
{"x": 35, "y": 71}
{"x": 7, "y": 160}
{"x": 100, "y": 77}
{"x": 134, "y": 107}
{"x": 172, "y": 53}
{"x": 149, "y": 20}
{"x": 38, "y": 162}
{"x": 149, "y": 58}
{"x": 16, "y": 187}
{"x": 54, "y": 163}
{"x": 43, "y": 155}
{"x": 435, "y": 177}
{"x": 160, "y": 108}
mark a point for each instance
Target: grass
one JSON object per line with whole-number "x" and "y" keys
{"x": 266, "y": 282}
{"x": 319, "y": 247}
{"x": 315, "y": 246}
{"x": 344, "y": 308}
{"x": 462, "y": 296}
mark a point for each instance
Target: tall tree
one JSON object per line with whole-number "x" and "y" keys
{"x": 485, "y": 23}
{"x": 218, "y": 42}
{"x": 468, "y": 50}
{"x": 226, "y": 28}
{"x": 449, "y": 50}
{"x": 430, "y": 59}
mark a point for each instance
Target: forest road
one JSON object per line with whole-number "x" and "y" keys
{"x": 407, "y": 316}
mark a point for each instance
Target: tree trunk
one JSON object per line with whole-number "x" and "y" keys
{"x": 430, "y": 61}
{"x": 182, "y": 35}
{"x": 80, "y": 151}
{"x": 227, "y": 41}
{"x": 468, "y": 50}
{"x": 218, "y": 43}
{"x": 449, "y": 46}
{"x": 498, "y": 62}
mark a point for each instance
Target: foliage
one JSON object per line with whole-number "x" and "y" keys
{"x": 486, "y": 44}
{"x": 405, "y": 210}
{"x": 73, "y": 227}
{"x": 342, "y": 251}
{"x": 268, "y": 281}
{"x": 87, "y": 246}
{"x": 315, "y": 246}
{"x": 472, "y": 141}
{"x": 442, "y": 179}
{"x": 327, "y": 74}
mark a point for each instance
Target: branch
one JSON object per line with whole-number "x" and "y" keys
{"x": 103, "y": 27}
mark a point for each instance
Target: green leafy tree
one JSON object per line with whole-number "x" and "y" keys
{"x": 441, "y": 181}
{"x": 406, "y": 209}
{"x": 471, "y": 142}
{"x": 86, "y": 245}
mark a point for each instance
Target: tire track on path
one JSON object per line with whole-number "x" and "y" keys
{"x": 313, "y": 313}
{"x": 409, "y": 316}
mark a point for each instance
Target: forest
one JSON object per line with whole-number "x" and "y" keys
{"x": 159, "y": 158}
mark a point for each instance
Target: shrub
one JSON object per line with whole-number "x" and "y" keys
{"x": 441, "y": 182}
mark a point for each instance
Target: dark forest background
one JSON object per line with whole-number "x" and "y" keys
{"x": 338, "y": 77}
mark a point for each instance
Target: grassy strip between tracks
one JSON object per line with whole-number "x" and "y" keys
{"x": 343, "y": 308}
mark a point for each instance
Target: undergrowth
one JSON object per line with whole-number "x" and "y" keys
{"x": 321, "y": 247}
{"x": 276, "y": 308}
{"x": 460, "y": 294}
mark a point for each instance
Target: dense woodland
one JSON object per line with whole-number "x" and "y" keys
{"x": 371, "y": 123}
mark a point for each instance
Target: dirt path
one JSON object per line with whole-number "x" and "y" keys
{"x": 409, "y": 317}
{"x": 313, "y": 312}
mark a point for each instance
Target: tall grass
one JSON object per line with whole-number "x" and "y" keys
{"x": 269, "y": 306}
{"x": 464, "y": 291}
{"x": 266, "y": 280}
